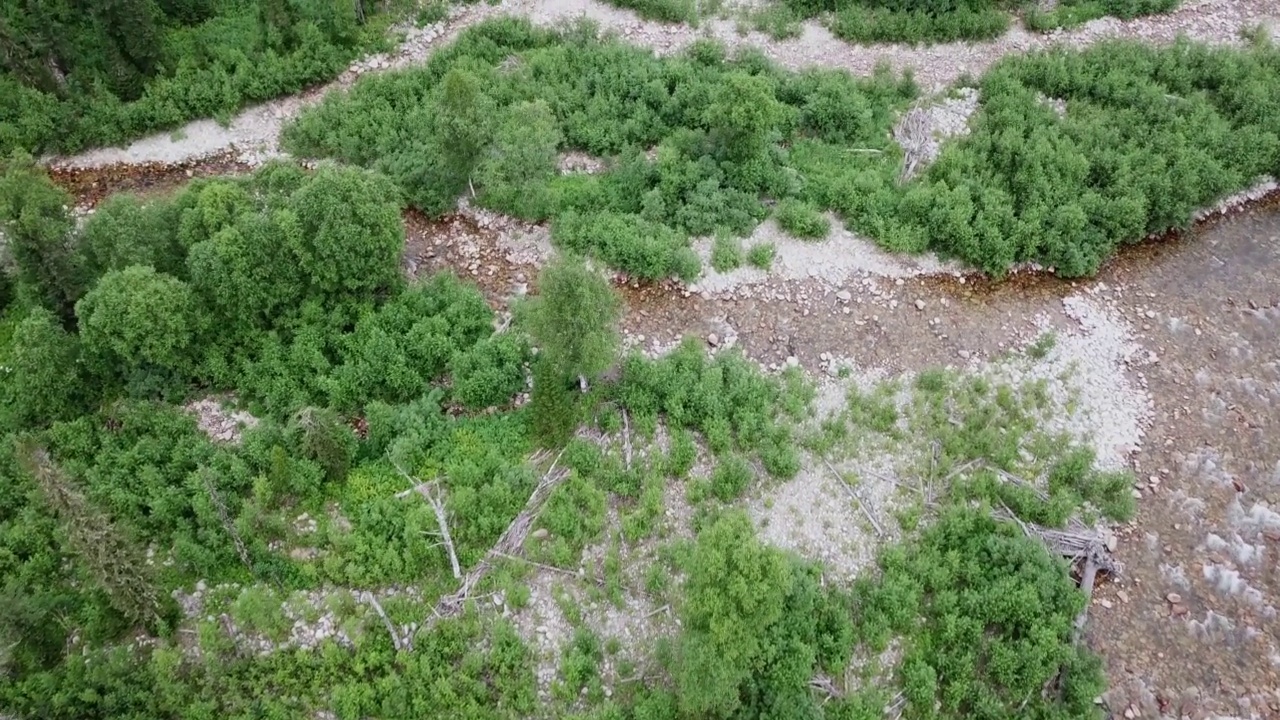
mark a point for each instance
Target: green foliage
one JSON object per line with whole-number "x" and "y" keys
{"x": 78, "y": 73}
{"x": 395, "y": 352}
{"x": 515, "y": 172}
{"x": 730, "y": 478}
{"x": 726, "y": 252}
{"x": 491, "y": 372}
{"x": 35, "y": 222}
{"x": 802, "y": 219}
{"x": 674, "y": 11}
{"x": 1076, "y": 12}
{"x": 756, "y": 628}
{"x": 574, "y": 516}
{"x": 1149, "y": 136}
{"x": 870, "y": 24}
{"x": 572, "y": 319}
{"x": 138, "y": 319}
{"x": 718, "y": 130}
{"x": 726, "y": 399}
{"x": 123, "y": 231}
{"x": 986, "y": 616}
{"x": 42, "y": 379}
{"x": 761, "y": 255}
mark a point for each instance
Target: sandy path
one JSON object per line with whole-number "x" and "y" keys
{"x": 253, "y": 135}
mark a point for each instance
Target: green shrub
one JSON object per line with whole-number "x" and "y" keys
{"x": 730, "y": 478}
{"x": 987, "y": 617}
{"x": 491, "y": 371}
{"x": 1075, "y": 12}
{"x": 574, "y": 516}
{"x": 726, "y": 252}
{"x": 76, "y": 79}
{"x": 802, "y": 219}
{"x": 861, "y": 24}
{"x": 675, "y": 11}
{"x": 761, "y": 255}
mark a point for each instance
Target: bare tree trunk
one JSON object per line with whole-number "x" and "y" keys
{"x": 431, "y": 493}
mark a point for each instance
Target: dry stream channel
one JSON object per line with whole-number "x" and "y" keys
{"x": 1179, "y": 336}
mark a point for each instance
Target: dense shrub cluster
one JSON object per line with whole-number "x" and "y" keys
{"x": 283, "y": 288}
{"x": 1149, "y": 136}
{"x": 987, "y": 617}
{"x": 500, "y": 102}
{"x": 1075, "y": 12}
{"x": 78, "y": 73}
{"x": 911, "y": 21}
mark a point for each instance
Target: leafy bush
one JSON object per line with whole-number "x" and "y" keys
{"x": 726, "y": 252}
{"x": 732, "y": 476}
{"x": 726, "y": 399}
{"x": 761, "y": 255}
{"x": 675, "y": 11}
{"x": 490, "y": 372}
{"x": 43, "y": 381}
{"x": 802, "y": 219}
{"x": 1076, "y": 12}
{"x": 717, "y": 127}
{"x": 987, "y": 617}
{"x": 574, "y": 516}
{"x": 755, "y": 628}
{"x": 76, "y": 78}
{"x": 138, "y": 318}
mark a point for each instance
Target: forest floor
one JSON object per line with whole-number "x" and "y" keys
{"x": 1172, "y": 345}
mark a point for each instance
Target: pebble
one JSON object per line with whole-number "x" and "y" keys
{"x": 793, "y": 361}
{"x": 1174, "y": 598}
{"x": 713, "y": 340}
{"x": 539, "y": 534}
{"x": 920, "y": 305}
{"x": 844, "y": 296}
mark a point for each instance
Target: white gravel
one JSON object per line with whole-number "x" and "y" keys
{"x": 1098, "y": 395}
{"x": 842, "y": 255}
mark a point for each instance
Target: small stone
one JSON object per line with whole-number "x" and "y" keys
{"x": 920, "y": 305}
{"x": 542, "y": 629}
{"x": 1137, "y": 493}
{"x": 1128, "y": 713}
{"x": 713, "y": 340}
{"x": 844, "y": 296}
{"x": 1173, "y": 598}
{"x": 539, "y": 534}
{"x": 793, "y": 361}
{"x": 1151, "y": 314}
{"x": 1124, "y": 596}
{"x": 964, "y": 354}
{"x": 1105, "y": 603}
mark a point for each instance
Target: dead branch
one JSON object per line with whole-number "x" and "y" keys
{"x": 827, "y": 686}
{"x": 1087, "y": 578}
{"x": 405, "y": 643}
{"x": 510, "y": 543}
{"x": 215, "y": 499}
{"x": 1075, "y": 543}
{"x": 431, "y": 493}
{"x": 550, "y": 568}
{"x": 651, "y": 613}
{"x": 852, "y": 491}
{"x": 626, "y": 438}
